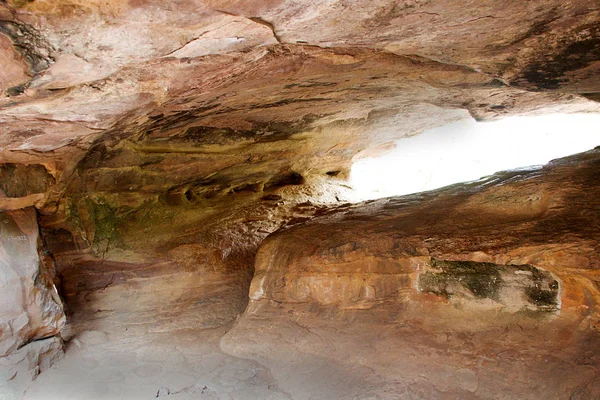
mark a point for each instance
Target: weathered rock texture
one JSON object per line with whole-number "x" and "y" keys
{"x": 152, "y": 69}
{"x": 484, "y": 290}
{"x": 162, "y": 141}
{"x": 31, "y": 311}
{"x": 541, "y": 218}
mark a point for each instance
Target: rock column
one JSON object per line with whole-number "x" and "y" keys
{"x": 31, "y": 312}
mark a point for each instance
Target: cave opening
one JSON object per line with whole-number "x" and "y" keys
{"x": 468, "y": 150}
{"x": 191, "y": 207}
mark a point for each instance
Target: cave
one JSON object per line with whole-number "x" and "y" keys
{"x": 217, "y": 200}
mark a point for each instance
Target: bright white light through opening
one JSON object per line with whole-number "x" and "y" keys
{"x": 468, "y": 150}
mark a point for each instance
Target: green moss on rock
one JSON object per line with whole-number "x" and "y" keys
{"x": 106, "y": 220}
{"x": 481, "y": 279}
{"x": 517, "y": 286}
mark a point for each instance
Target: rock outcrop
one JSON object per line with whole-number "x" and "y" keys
{"x": 541, "y": 218}
{"x": 31, "y": 314}
{"x": 157, "y": 143}
{"x": 481, "y": 290}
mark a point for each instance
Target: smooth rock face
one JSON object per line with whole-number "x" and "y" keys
{"x": 13, "y": 66}
{"x": 444, "y": 294}
{"x": 467, "y": 240}
{"x": 530, "y": 51}
{"x": 161, "y": 142}
{"x": 512, "y": 287}
{"x": 30, "y": 306}
{"x": 144, "y": 66}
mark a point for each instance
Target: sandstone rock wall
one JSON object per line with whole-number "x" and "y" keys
{"x": 31, "y": 315}
{"x": 378, "y": 252}
{"x": 482, "y": 290}
{"x": 162, "y": 141}
{"x": 145, "y": 130}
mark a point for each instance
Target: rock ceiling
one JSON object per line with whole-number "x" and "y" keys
{"x": 73, "y": 71}
{"x": 205, "y": 107}
{"x": 157, "y": 143}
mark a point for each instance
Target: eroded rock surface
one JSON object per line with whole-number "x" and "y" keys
{"x": 512, "y": 287}
{"x": 31, "y": 310}
{"x": 483, "y": 290}
{"x": 161, "y": 141}
{"x": 543, "y": 217}
{"x": 21, "y": 367}
{"x": 152, "y": 69}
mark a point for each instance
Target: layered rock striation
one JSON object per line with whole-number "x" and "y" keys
{"x": 156, "y": 144}
{"x": 480, "y": 290}
{"x": 31, "y": 315}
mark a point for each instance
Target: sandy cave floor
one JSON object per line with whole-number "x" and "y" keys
{"x": 135, "y": 363}
{"x": 281, "y": 353}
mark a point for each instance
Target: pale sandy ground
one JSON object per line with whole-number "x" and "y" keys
{"x": 276, "y": 352}
{"x": 138, "y": 364}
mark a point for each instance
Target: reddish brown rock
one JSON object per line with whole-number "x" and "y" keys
{"x": 245, "y": 66}
{"x": 162, "y": 141}
{"x": 483, "y": 290}
{"x": 543, "y": 218}
{"x": 13, "y": 66}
